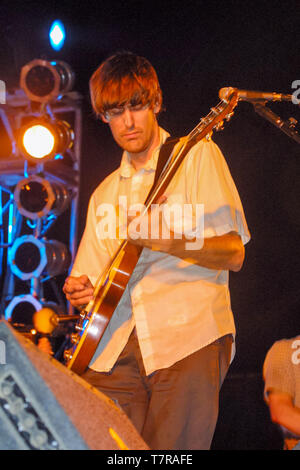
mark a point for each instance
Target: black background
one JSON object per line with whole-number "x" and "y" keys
{"x": 198, "y": 47}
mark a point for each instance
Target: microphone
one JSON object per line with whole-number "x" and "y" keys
{"x": 249, "y": 95}
{"x": 46, "y": 320}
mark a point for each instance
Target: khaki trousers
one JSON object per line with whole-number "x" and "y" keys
{"x": 174, "y": 408}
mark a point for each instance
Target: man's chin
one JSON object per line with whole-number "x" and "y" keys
{"x": 134, "y": 148}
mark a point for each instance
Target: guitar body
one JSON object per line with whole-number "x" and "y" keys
{"x": 112, "y": 284}
{"x": 94, "y": 320}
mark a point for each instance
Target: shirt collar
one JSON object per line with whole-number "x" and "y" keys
{"x": 127, "y": 169}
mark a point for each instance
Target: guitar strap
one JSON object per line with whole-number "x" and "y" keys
{"x": 163, "y": 157}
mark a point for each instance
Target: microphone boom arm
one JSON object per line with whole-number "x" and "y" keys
{"x": 288, "y": 126}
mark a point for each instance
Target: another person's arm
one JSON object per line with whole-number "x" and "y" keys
{"x": 280, "y": 391}
{"x": 283, "y": 411}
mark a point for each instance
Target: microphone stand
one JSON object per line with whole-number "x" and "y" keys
{"x": 288, "y": 126}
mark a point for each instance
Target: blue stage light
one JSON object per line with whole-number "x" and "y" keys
{"x": 57, "y": 35}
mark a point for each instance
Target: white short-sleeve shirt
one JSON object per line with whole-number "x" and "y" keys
{"x": 176, "y": 306}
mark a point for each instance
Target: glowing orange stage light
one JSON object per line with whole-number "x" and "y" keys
{"x": 38, "y": 141}
{"x": 42, "y": 139}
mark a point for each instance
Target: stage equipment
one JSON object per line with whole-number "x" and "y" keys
{"x": 47, "y": 319}
{"x": 31, "y": 257}
{"x": 21, "y": 309}
{"x": 37, "y": 185}
{"x": 38, "y": 197}
{"x": 250, "y": 95}
{"x": 45, "y": 81}
{"x": 259, "y": 101}
{"x": 44, "y": 406}
{"x": 57, "y": 35}
{"x": 43, "y": 138}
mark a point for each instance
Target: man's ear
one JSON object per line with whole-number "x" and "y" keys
{"x": 103, "y": 118}
{"x": 156, "y": 108}
{"x": 157, "y": 104}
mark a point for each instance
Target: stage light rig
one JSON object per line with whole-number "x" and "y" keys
{"x": 41, "y": 180}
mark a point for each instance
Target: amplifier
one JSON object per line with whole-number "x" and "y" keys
{"x": 44, "y": 406}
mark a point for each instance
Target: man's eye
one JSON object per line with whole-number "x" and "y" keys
{"x": 136, "y": 107}
{"x": 116, "y": 111}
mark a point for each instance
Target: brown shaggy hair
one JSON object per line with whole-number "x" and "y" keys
{"x": 121, "y": 79}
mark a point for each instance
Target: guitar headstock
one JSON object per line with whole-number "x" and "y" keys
{"x": 216, "y": 117}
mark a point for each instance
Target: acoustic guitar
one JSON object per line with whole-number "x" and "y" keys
{"x": 109, "y": 288}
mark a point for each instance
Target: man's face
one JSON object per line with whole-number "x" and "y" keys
{"x": 133, "y": 128}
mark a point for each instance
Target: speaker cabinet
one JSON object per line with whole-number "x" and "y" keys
{"x": 45, "y": 406}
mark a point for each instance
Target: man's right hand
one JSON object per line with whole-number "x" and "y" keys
{"x": 78, "y": 290}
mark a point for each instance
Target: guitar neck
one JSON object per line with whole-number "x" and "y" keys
{"x": 213, "y": 120}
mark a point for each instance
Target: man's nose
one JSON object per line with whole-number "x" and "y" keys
{"x": 128, "y": 118}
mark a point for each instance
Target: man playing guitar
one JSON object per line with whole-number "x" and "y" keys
{"x": 167, "y": 348}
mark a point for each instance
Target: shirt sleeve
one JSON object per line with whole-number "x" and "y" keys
{"x": 210, "y": 188}
{"x": 213, "y": 186}
{"x": 278, "y": 369}
{"x": 92, "y": 256}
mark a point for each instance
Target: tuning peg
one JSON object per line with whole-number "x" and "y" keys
{"x": 74, "y": 337}
{"x": 78, "y": 327}
{"x": 68, "y": 354}
{"x": 229, "y": 116}
{"x": 219, "y": 126}
{"x": 292, "y": 122}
